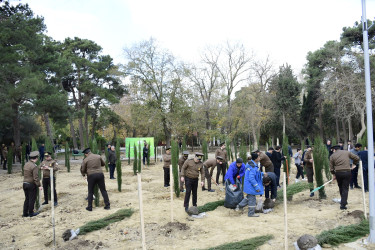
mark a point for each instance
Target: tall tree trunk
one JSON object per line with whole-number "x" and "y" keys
{"x": 81, "y": 133}
{"x": 283, "y": 123}
{"x": 86, "y": 124}
{"x": 345, "y": 134}
{"x": 337, "y": 130}
{"x": 72, "y": 132}
{"x": 48, "y": 128}
{"x": 254, "y": 137}
{"x": 350, "y": 128}
{"x": 114, "y": 134}
{"x": 16, "y": 125}
{"x": 363, "y": 124}
{"x": 167, "y": 133}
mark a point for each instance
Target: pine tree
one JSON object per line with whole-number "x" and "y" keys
{"x": 106, "y": 153}
{"x": 23, "y": 156}
{"x": 118, "y": 166}
{"x": 243, "y": 153}
{"x": 286, "y": 154}
{"x": 139, "y": 158}
{"x": 235, "y": 149}
{"x": 174, "y": 152}
{"x": 229, "y": 153}
{"x": 149, "y": 152}
{"x": 10, "y": 162}
{"x": 334, "y": 142}
{"x": 183, "y": 146}
{"x": 270, "y": 142}
{"x": 129, "y": 154}
{"x": 48, "y": 147}
{"x": 363, "y": 139}
{"x": 321, "y": 164}
{"x": 135, "y": 160}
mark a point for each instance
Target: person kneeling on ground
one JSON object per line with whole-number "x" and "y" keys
{"x": 253, "y": 185}
{"x": 269, "y": 181}
{"x": 235, "y": 171}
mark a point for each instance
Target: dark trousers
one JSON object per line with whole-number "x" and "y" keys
{"x": 299, "y": 171}
{"x": 354, "y": 179}
{"x": 30, "y": 191}
{"x": 191, "y": 187}
{"x": 5, "y": 164}
{"x": 208, "y": 177}
{"x": 93, "y": 179}
{"x": 310, "y": 176}
{"x": 112, "y": 168}
{"x": 166, "y": 176}
{"x": 365, "y": 179}
{"x": 221, "y": 168}
{"x": 277, "y": 172}
{"x": 144, "y": 159}
{"x": 1, "y": 157}
{"x": 47, "y": 183}
{"x": 343, "y": 180}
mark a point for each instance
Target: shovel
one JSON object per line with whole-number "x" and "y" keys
{"x": 316, "y": 189}
{"x": 221, "y": 189}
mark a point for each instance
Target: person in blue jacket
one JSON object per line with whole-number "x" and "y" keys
{"x": 253, "y": 185}
{"x": 235, "y": 171}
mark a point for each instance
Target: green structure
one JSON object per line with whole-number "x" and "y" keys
{"x": 131, "y": 142}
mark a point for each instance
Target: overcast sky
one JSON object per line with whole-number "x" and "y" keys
{"x": 286, "y": 30}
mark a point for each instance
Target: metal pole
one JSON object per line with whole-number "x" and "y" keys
{"x": 285, "y": 214}
{"x": 370, "y": 137}
{"x": 141, "y": 211}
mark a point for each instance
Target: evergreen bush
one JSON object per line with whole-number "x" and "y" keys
{"x": 210, "y": 206}
{"x": 344, "y": 234}
{"x": 287, "y": 162}
{"x": 135, "y": 160}
{"x": 139, "y": 158}
{"x": 101, "y": 223}
{"x": 321, "y": 164}
{"x": 248, "y": 244}
{"x": 67, "y": 156}
{"x": 174, "y": 152}
{"x": 149, "y": 152}
{"x": 48, "y": 147}
{"x": 118, "y": 166}
{"x": 291, "y": 190}
{"x": 333, "y": 142}
{"x": 243, "y": 152}
{"x": 183, "y": 147}
{"x": 129, "y": 154}
{"x": 106, "y": 153}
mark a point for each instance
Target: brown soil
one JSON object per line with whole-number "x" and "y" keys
{"x": 305, "y": 216}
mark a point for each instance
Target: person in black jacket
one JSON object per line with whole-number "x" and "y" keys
{"x": 145, "y": 152}
{"x": 276, "y": 159}
{"x": 269, "y": 181}
{"x": 112, "y": 162}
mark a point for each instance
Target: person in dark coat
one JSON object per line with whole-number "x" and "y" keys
{"x": 41, "y": 152}
{"x": 277, "y": 159}
{"x": 363, "y": 155}
{"x": 339, "y": 164}
{"x": 112, "y": 162}
{"x": 145, "y": 152}
{"x": 270, "y": 184}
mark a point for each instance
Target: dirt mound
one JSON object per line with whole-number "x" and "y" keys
{"x": 358, "y": 214}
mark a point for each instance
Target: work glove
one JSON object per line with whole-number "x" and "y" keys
{"x": 258, "y": 190}
{"x": 235, "y": 186}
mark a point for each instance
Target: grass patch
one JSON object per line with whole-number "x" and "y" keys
{"x": 252, "y": 243}
{"x": 211, "y": 206}
{"x": 344, "y": 234}
{"x": 99, "y": 224}
{"x": 291, "y": 190}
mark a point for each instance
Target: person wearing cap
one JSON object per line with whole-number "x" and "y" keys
{"x": 30, "y": 184}
{"x": 222, "y": 152}
{"x": 181, "y": 162}
{"x": 210, "y": 164}
{"x": 265, "y": 160}
{"x": 308, "y": 163}
{"x": 354, "y": 167}
{"x": 46, "y": 182}
{"x": 112, "y": 162}
{"x": 91, "y": 169}
{"x": 253, "y": 185}
{"x": 167, "y": 158}
{"x": 339, "y": 165}
{"x": 190, "y": 174}
{"x": 235, "y": 171}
